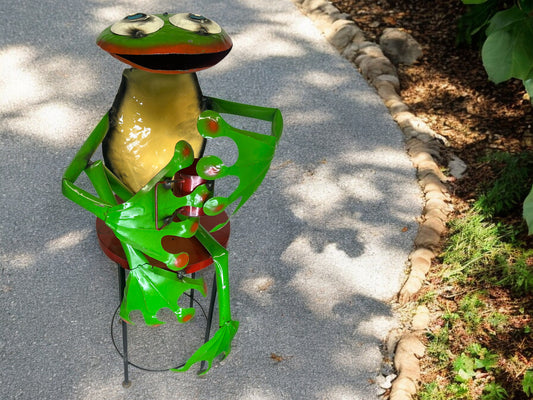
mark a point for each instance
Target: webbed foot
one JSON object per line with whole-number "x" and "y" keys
{"x": 219, "y": 344}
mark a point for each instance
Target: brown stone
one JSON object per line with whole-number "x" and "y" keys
{"x": 411, "y": 343}
{"x": 432, "y": 204}
{"x": 371, "y": 49}
{"x": 330, "y": 9}
{"x": 432, "y": 147}
{"x": 400, "y": 395}
{"x": 437, "y": 194}
{"x": 410, "y": 289}
{"x": 396, "y": 107}
{"x": 430, "y": 167}
{"x": 371, "y": 67}
{"x": 435, "y": 224}
{"x": 322, "y": 20}
{"x": 427, "y": 237}
{"x": 350, "y": 52}
{"x": 400, "y": 46}
{"x": 341, "y": 33}
{"x": 437, "y": 213}
{"x": 310, "y": 5}
{"x": 393, "y": 79}
{"x": 419, "y": 157}
{"x": 422, "y": 252}
{"x": 421, "y": 265}
{"x": 403, "y": 388}
{"x": 432, "y": 182}
{"x": 387, "y": 92}
{"x": 421, "y": 319}
{"x": 403, "y": 119}
{"x": 415, "y": 145}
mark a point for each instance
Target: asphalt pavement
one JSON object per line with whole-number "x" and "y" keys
{"x": 315, "y": 255}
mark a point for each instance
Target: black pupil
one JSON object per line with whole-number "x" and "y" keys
{"x": 196, "y": 17}
{"x": 136, "y": 16}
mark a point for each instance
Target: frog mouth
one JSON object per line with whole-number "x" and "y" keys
{"x": 173, "y": 62}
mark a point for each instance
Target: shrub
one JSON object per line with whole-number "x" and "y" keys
{"x": 506, "y": 50}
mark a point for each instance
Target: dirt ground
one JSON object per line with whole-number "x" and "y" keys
{"x": 448, "y": 88}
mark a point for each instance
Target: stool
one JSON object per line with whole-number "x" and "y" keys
{"x": 199, "y": 258}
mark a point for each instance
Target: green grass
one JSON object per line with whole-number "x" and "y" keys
{"x": 484, "y": 256}
{"x": 511, "y": 186}
{"x": 489, "y": 252}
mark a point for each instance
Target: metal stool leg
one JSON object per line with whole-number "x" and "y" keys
{"x": 191, "y": 304}
{"x": 210, "y": 315}
{"x": 122, "y": 284}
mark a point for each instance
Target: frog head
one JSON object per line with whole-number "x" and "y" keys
{"x": 166, "y": 43}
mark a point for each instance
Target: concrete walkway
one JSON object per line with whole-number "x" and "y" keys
{"x": 315, "y": 254}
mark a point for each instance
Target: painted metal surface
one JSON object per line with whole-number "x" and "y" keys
{"x": 149, "y": 210}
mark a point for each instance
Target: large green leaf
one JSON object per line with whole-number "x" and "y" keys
{"x": 504, "y": 19}
{"x": 528, "y": 211}
{"x": 507, "y": 52}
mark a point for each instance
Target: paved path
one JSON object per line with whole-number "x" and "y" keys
{"x": 314, "y": 255}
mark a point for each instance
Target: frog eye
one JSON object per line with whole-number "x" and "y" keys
{"x": 195, "y": 23}
{"x": 137, "y": 25}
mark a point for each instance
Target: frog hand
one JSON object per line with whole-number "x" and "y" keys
{"x": 150, "y": 289}
{"x": 144, "y": 219}
{"x": 219, "y": 344}
{"x": 255, "y": 153}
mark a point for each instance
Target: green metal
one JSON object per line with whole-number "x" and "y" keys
{"x": 150, "y": 289}
{"x": 140, "y": 220}
{"x": 255, "y": 151}
{"x": 167, "y": 37}
{"x": 133, "y": 221}
{"x": 221, "y": 341}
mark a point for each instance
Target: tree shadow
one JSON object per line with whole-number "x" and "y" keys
{"x": 324, "y": 231}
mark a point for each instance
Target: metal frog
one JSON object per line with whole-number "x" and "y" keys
{"x": 157, "y": 126}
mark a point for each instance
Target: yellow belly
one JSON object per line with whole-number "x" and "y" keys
{"x": 153, "y": 113}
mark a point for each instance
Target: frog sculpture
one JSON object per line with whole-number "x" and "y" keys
{"x": 157, "y": 126}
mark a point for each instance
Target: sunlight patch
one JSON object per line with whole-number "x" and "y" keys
{"x": 52, "y": 122}
{"x": 277, "y": 46}
{"x": 18, "y": 261}
{"x": 324, "y": 80}
{"x": 18, "y": 84}
{"x": 68, "y": 240}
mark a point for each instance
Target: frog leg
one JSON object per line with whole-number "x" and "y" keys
{"x": 150, "y": 289}
{"x": 220, "y": 343}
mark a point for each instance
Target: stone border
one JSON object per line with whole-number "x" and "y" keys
{"x": 424, "y": 146}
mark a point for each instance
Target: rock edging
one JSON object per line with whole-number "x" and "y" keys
{"x": 424, "y": 146}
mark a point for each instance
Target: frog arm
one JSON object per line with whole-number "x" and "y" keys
{"x": 246, "y": 110}
{"x": 220, "y": 343}
{"x": 102, "y": 179}
{"x": 148, "y": 216}
{"x": 255, "y": 150}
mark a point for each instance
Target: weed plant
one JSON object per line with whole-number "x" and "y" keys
{"x": 481, "y": 346}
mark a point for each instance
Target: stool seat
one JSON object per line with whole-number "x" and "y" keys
{"x": 199, "y": 257}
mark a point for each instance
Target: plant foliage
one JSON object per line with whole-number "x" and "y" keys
{"x": 507, "y": 52}
{"x": 511, "y": 186}
{"x": 527, "y": 383}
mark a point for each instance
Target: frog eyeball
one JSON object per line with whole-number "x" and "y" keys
{"x": 195, "y": 23}
{"x": 137, "y": 25}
